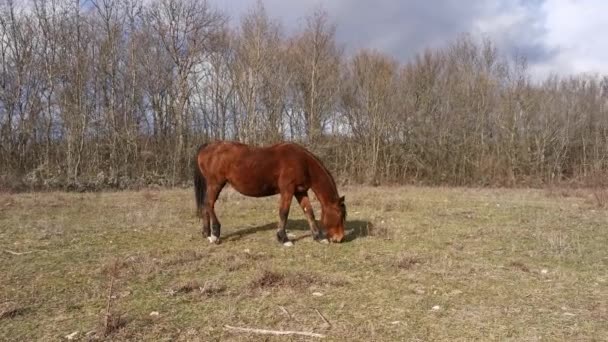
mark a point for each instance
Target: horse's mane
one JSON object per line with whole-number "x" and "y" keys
{"x": 321, "y": 165}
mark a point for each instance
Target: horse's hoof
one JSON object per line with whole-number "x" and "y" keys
{"x": 213, "y": 239}
{"x": 324, "y": 241}
{"x": 288, "y": 244}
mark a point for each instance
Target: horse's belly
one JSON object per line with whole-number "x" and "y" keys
{"x": 255, "y": 189}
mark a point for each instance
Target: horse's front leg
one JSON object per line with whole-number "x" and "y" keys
{"x": 284, "y": 204}
{"x": 304, "y": 202}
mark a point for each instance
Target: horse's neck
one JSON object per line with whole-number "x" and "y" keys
{"x": 323, "y": 185}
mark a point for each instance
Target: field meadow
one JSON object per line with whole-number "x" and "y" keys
{"x": 418, "y": 264}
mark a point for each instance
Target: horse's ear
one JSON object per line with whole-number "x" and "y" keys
{"x": 342, "y": 200}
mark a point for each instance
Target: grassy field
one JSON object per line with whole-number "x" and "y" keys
{"x": 420, "y": 264}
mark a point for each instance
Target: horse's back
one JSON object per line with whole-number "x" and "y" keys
{"x": 256, "y": 171}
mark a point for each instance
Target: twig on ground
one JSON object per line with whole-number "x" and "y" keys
{"x": 18, "y": 253}
{"x": 285, "y": 311}
{"x": 323, "y": 318}
{"x": 274, "y": 332}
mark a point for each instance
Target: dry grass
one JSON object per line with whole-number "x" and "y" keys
{"x": 601, "y": 198}
{"x": 418, "y": 264}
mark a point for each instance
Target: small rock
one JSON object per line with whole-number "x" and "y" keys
{"x": 154, "y": 313}
{"x": 544, "y": 271}
{"x": 395, "y": 322}
{"x": 246, "y": 250}
{"x": 72, "y": 335}
{"x": 436, "y": 307}
{"x": 569, "y": 314}
{"x": 419, "y": 291}
{"x": 317, "y": 294}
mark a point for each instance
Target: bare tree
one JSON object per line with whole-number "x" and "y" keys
{"x": 118, "y": 93}
{"x": 368, "y": 102}
{"x": 315, "y": 63}
{"x": 260, "y": 76}
{"x": 185, "y": 29}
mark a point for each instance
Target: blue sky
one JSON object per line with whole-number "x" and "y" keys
{"x": 556, "y": 36}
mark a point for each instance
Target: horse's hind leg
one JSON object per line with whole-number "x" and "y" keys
{"x": 212, "y": 195}
{"x": 284, "y": 204}
{"x": 206, "y": 222}
{"x": 304, "y": 202}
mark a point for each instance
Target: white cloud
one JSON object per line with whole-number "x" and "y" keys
{"x": 556, "y": 36}
{"x": 577, "y": 28}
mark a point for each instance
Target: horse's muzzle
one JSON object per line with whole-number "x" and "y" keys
{"x": 337, "y": 238}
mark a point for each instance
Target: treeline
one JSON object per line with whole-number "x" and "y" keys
{"x": 119, "y": 93}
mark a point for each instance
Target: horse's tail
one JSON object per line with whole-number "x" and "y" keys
{"x": 200, "y": 185}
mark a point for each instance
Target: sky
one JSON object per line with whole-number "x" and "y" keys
{"x": 556, "y": 36}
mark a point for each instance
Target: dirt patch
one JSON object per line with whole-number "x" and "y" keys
{"x": 518, "y": 265}
{"x": 197, "y": 287}
{"x": 10, "y": 310}
{"x": 183, "y": 257}
{"x": 187, "y": 287}
{"x": 407, "y": 261}
{"x": 379, "y": 230}
{"x": 271, "y": 279}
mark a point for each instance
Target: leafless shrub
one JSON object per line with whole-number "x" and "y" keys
{"x": 112, "y": 320}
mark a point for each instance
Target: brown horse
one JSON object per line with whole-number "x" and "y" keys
{"x": 286, "y": 169}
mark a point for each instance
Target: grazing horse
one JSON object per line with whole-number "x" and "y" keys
{"x": 286, "y": 169}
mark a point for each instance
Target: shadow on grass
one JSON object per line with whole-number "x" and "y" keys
{"x": 354, "y": 229}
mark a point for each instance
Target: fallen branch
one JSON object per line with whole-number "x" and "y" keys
{"x": 274, "y": 332}
{"x": 18, "y": 253}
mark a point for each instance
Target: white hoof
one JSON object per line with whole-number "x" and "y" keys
{"x": 288, "y": 244}
{"x": 212, "y": 238}
{"x": 324, "y": 241}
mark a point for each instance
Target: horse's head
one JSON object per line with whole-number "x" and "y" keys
{"x": 334, "y": 217}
